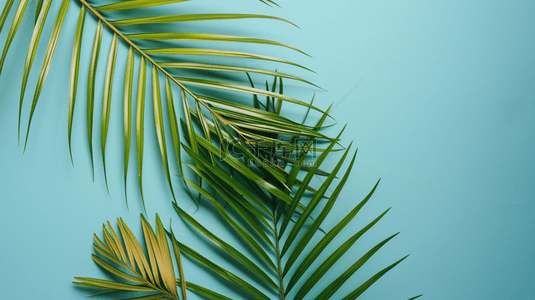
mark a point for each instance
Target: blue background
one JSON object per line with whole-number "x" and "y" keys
{"x": 437, "y": 95}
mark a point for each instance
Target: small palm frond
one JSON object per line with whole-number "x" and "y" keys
{"x": 216, "y": 92}
{"x": 150, "y": 273}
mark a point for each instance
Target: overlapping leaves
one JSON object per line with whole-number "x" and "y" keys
{"x": 267, "y": 243}
{"x": 282, "y": 251}
{"x": 248, "y": 202}
{"x": 246, "y": 160}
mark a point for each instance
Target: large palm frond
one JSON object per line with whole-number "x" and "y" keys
{"x": 212, "y": 89}
{"x": 277, "y": 240}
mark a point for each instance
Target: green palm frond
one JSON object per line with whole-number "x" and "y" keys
{"x": 225, "y": 113}
{"x": 283, "y": 253}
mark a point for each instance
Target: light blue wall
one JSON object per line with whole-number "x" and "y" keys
{"x": 437, "y": 95}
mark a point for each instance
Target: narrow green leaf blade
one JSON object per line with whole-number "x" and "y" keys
{"x": 251, "y": 111}
{"x": 75, "y": 67}
{"x": 48, "y": 60}
{"x": 106, "y": 103}
{"x": 257, "y": 102}
{"x": 140, "y": 124}
{"x": 225, "y": 68}
{"x": 189, "y": 123}
{"x": 204, "y": 292}
{"x": 150, "y": 297}
{"x": 91, "y": 91}
{"x": 189, "y": 36}
{"x": 242, "y": 89}
{"x": 133, "y": 4}
{"x": 106, "y": 252}
{"x": 308, "y": 110}
{"x": 173, "y": 123}
{"x": 38, "y": 8}
{"x": 194, "y": 18}
{"x": 13, "y": 30}
{"x": 127, "y": 113}
{"x": 223, "y": 53}
{"x": 5, "y": 13}
{"x": 38, "y": 29}
{"x": 158, "y": 119}
{"x": 204, "y": 126}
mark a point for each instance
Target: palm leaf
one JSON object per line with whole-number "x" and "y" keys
{"x": 38, "y": 29}
{"x": 127, "y": 108}
{"x": 283, "y": 266}
{"x": 5, "y": 13}
{"x": 14, "y": 26}
{"x": 125, "y": 259}
{"x": 91, "y": 90}
{"x": 229, "y": 120}
{"x": 107, "y": 103}
{"x": 158, "y": 118}
{"x": 140, "y": 123}
{"x": 48, "y": 58}
{"x": 75, "y": 68}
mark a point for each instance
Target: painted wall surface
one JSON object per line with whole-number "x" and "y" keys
{"x": 438, "y": 95}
